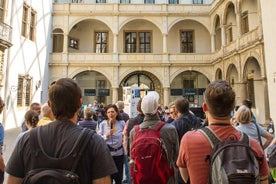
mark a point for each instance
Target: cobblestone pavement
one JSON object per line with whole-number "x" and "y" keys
{"x": 9, "y": 142}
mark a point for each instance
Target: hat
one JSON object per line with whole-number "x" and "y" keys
{"x": 149, "y": 103}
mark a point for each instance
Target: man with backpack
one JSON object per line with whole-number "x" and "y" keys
{"x": 153, "y": 146}
{"x": 186, "y": 120}
{"x": 241, "y": 159}
{"x": 61, "y": 152}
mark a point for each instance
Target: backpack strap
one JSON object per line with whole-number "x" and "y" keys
{"x": 82, "y": 141}
{"x": 210, "y": 135}
{"x": 159, "y": 125}
{"x": 76, "y": 152}
{"x": 213, "y": 138}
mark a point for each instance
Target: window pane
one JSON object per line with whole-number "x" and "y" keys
{"x": 20, "y": 91}
{"x": 173, "y": 2}
{"x": 130, "y": 42}
{"x": 149, "y": 1}
{"x": 197, "y": 2}
{"x": 101, "y": 42}
{"x": 145, "y": 39}
{"x": 125, "y": 1}
{"x": 186, "y": 42}
{"x": 28, "y": 92}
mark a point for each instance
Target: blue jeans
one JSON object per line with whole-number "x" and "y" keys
{"x": 127, "y": 169}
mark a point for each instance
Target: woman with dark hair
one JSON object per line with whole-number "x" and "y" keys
{"x": 111, "y": 130}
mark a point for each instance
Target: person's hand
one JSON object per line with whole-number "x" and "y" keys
{"x": 2, "y": 164}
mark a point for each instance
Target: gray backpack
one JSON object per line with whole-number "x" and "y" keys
{"x": 231, "y": 161}
{"x": 271, "y": 155}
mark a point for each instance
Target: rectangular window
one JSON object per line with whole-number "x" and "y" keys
{"x": 173, "y": 2}
{"x": 187, "y": 45}
{"x": 73, "y": 43}
{"x": 101, "y": 42}
{"x": 197, "y": 1}
{"x": 2, "y": 10}
{"x": 100, "y": 1}
{"x": 245, "y": 25}
{"x": 130, "y": 42}
{"x": 28, "y": 82}
{"x": 32, "y": 25}
{"x": 138, "y": 42}
{"x": 144, "y": 45}
{"x": 125, "y": 1}
{"x": 20, "y": 91}
{"x": 24, "y": 91}
{"x": 24, "y": 20}
{"x": 149, "y": 1}
{"x": 229, "y": 34}
{"x": 28, "y": 27}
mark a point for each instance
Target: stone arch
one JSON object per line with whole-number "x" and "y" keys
{"x": 125, "y": 22}
{"x": 201, "y": 22}
{"x": 232, "y": 74}
{"x": 99, "y": 70}
{"x": 204, "y": 71}
{"x": 217, "y": 32}
{"x": 77, "y": 21}
{"x": 226, "y": 8}
{"x": 218, "y": 74}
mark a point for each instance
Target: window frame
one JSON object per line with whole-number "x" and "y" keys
{"x": 28, "y": 22}
{"x": 33, "y": 18}
{"x": 101, "y": 43}
{"x": 24, "y": 90}
{"x": 74, "y": 45}
{"x": 3, "y": 10}
{"x": 137, "y": 43}
{"x": 229, "y": 34}
{"x": 197, "y": 1}
{"x": 25, "y": 16}
{"x": 149, "y": 1}
{"x": 245, "y": 22}
{"x": 173, "y": 1}
{"x": 187, "y": 43}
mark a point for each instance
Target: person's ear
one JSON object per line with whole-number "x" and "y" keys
{"x": 204, "y": 107}
{"x": 49, "y": 103}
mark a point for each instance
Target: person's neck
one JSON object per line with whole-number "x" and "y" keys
{"x": 215, "y": 120}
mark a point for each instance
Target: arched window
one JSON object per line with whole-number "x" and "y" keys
{"x": 58, "y": 40}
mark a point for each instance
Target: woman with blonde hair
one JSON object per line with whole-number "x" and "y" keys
{"x": 243, "y": 117}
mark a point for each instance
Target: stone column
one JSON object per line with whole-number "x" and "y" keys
{"x": 166, "y": 91}
{"x": 165, "y": 43}
{"x": 223, "y": 35}
{"x": 115, "y": 44}
{"x": 65, "y": 43}
{"x": 238, "y": 20}
{"x": 115, "y": 94}
{"x": 213, "y": 44}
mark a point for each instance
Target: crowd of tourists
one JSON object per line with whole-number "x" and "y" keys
{"x": 99, "y": 144}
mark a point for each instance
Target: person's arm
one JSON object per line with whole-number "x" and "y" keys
{"x": 2, "y": 164}
{"x": 184, "y": 174}
{"x": 264, "y": 179}
{"x": 268, "y": 138}
{"x": 103, "y": 180}
{"x": 14, "y": 180}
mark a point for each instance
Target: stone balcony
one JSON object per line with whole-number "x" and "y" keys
{"x": 5, "y": 31}
{"x": 155, "y": 59}
{"x": 129, "y": 9}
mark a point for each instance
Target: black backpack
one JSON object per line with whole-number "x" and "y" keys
{"x": 49, "y": 170}
{"x": 231, "y": 161}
